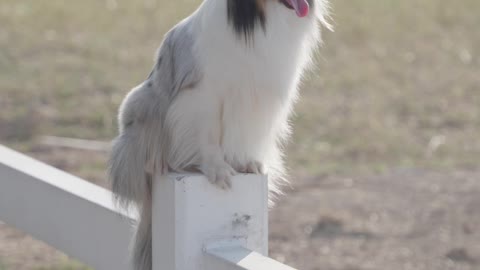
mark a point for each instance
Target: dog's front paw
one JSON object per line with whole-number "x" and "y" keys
{"x": 220, "y": 175}
{"x": 254, "y": 167}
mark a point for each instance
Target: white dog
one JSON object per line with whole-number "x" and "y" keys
{"x": 217, "y": 101}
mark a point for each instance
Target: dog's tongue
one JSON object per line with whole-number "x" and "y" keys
{"x": 301, "y": 7}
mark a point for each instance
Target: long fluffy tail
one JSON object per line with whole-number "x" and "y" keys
{"x": 132, "y": 184}
{"x": 135, "y": 158}
{"x": 142, "y": 248}
{"x": 128, "y": 176}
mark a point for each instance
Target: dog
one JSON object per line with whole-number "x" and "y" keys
{"x": 217, "y": 101}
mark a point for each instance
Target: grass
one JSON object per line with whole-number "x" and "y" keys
{"x": 397, "y": 84}
{"x": 72, "y": 265}
{"x": 396, "y": 77}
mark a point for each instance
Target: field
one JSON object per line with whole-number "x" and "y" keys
{"x": 385, "y": 155}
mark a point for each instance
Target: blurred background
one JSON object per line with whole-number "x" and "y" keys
{"x": 384, "y": 161}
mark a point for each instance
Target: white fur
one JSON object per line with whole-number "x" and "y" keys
{"x": 238, "y": 114}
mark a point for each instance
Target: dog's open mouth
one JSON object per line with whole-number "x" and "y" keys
{"x": 301, "y": 7}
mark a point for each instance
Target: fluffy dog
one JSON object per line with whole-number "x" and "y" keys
{"x": 217, "y": 101}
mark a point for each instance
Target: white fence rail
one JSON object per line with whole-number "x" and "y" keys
{"x": 64, "y": 211}
{"x": 195, "y": 225}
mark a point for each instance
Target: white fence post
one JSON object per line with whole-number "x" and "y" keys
{"x": 190, "y": 215}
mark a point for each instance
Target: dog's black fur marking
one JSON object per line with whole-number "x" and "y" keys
{"x": 244, "y": 16}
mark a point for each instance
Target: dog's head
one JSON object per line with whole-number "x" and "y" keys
{"x": 246, "y": 15}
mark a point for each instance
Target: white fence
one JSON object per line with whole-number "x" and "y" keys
{"x": 195, "y": 225}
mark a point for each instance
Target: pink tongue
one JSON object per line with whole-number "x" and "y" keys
{"x": 300, "y": 6}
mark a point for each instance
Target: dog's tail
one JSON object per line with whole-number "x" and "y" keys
{"x": 136, "y": 157}
{"x": 142, "y": 245}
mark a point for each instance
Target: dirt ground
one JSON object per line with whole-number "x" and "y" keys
{"x": 405, "y": 219}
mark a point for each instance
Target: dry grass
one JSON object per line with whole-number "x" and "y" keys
{"x": 397, "y": 85}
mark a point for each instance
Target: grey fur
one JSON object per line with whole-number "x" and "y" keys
{"x": 142, "y": 245}
{"x": 139, "y": 151}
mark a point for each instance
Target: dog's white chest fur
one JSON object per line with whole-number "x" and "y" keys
{"x": 241, "y": 106}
